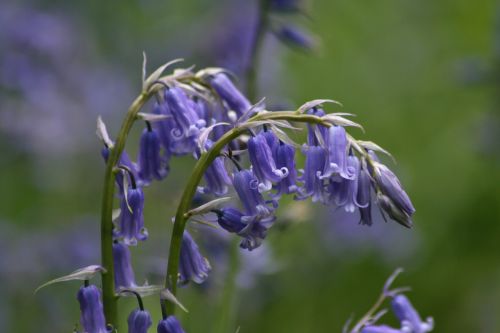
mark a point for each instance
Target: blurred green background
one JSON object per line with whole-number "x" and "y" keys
{"x": 423, "y": 77}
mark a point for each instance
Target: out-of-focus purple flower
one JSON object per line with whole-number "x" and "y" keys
{"x": 363, "y": 198}
{"x": 409, "y": 317}
{"x": 151, "y": 163}
{"x": 124, "y": 274}
{"x": 263, "y": 164}
{"x": 391, "y": 187}
{"x": 131, "y": 224}
{"x": 170, "y": 325}
{"x": 285, "y": 158}
{"x": 192, "y": 265}
{"x": 235, "y": 100}
{"x": 216, "y": 176}
{"x": 337, "y": 155}
{"x": 188, "y": 124}
{"x": 380, "y": 329}
{"x": 314, "y": 166}
{"x": 139, "y": 321}
{"x": 91, "y": 310}
{"x": 295, "y": 37}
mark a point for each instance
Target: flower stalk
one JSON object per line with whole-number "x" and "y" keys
{"x": 108, "y": 288}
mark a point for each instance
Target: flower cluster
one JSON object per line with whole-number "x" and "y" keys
{"x": 206, "y": 116}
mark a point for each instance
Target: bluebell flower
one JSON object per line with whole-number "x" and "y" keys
{"x": 253, "y": 229}
{"x": 139, "y": 321}
{"x": 188, "y": 124}
{"x": 336, "y": 164}
{"x": 192, "y": 265}
{"x": 364, "y": 196}
{"x": 295, "y": 37}
{"x": 343, "y": 192}
{"x": 285, "y": 158}
{"x": 235, "y": 100}
{"x": 151, "y": 163}
{"x": 230, "y": 219}
{"x": 409, "y": 317}
{"x": 315, "y": 130}
{"x": 124, "y": 274}
{"x": 169, "y": 325}
{"x": 390, "y": 186}
{"x": 246, "y": 186}
{"x": 381, "y": 329}
{"x": 91, "y": 310}
{"x": 164, "y": 127}
{"x": 131, "y": 222}
{"x": 312, "y": 183}
{"x": 263, "y": 164}
{"x": 216, "y": 177}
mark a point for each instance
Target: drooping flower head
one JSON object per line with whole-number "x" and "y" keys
{"x": 131, "y": 224}
{"x": 139, "y": 321}
{"x": 91, "y": 310}
{"x": 124, "y": 274}
{"x": 262, "y": 159}
{"x": 192, "y": 265}
{"x": 170, "y": 325}
{"x": 152, "y": 165}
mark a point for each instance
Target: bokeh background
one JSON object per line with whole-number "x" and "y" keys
{"x": 423, "y": 77}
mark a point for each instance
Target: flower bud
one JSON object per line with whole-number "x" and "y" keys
{"x": 139, "y": 321}
{"x": 92, "y": 314}
{"x": 124, "y": 274}
{"x": 151, "y": 163}
{"x": 230, "y": 94}
{"x": 170, "y": 325}
{"x": 131, "y": 224}
{"x": 192, "y": 265}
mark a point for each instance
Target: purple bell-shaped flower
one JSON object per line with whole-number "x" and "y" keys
{"x": 230, "y": 94}
{"x": 91, "y": 310}
{"x": 285, "y": 158}
{"x": 124, "y": 274}
{"x": 312, "y": 183}
{"x": 170, "y": 325}
{"x": 192, "y": 265}
{"x": 131, "y": 224}
{"x": 336, "y": 164}
{"x": 139, "y": 321}
{"x": 263, "y": 164}
{"x": 408, "y": 316}
{"x": 151, "y": 162}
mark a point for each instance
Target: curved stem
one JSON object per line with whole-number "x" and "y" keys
{"x": 108, "y": 289}
{"x": 201, "y": 165}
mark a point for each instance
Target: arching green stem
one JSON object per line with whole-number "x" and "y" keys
{"x": 108, "y": 287}
{"x": 201, "y": 165}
